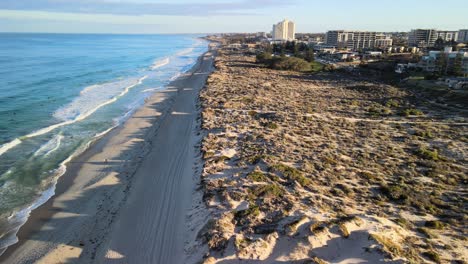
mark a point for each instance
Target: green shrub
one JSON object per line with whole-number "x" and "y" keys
{"x": 434, "y": 224}
{"x": 271, "y": 125}
{"x": 432, "y": 255}
{"x": 291, "y": 173}
{"x": 290, "y": 64}
{"x": 264, "y": 57}
{"x": 394, "y": 192}
{"x": 392, "y": 103}
{"x": 425, "y": 232}
{"x": 257, "y": 176}
{"x": 412, "y": 111}
{"x": 329, "y": 68}
{"x": 269, "y": 190}
{"x": 428, "y": 154}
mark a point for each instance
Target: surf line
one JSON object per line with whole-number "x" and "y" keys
{"x": 7, "y": 146}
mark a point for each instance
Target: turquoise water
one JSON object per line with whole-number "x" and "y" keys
{"x": 58, "y": 92}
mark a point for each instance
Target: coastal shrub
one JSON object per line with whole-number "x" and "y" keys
{"x": 271, "y": 125}
{"x": 269, "y": 190}
{"x": 411, "y": 111}
{"x": 434, "y": 224}
{"x": 403, "y": 222}
{"x": 329, "y": 68}
{"x": 257, "y": 176}
{"x": 392, "y": 103}
{"x": 318, "y": 227}
{"x": 428, "y": 154}
{"x": 424, "y": 134}
{"x": 291, "y": 173}
{"x": 387, "y": 244}
{"x": 425, "y": 232}
{"x": 344, "y": 230}
{"x": 432, "y": 255}
{"x": 394, "y": 192}
{"x": 253, "y": 210}
{"x": 264, "y": 57}
{"x": 289, "y": 64}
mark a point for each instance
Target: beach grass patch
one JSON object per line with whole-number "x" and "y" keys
{"x": 291, "y": 173}
{"x": 257, "y": 176}
{"x": 269, "y": 191}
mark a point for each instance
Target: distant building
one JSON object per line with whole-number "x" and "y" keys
{"x": 422, "y": 38}
{"x": 383, "y": 41}
{"x": 284, "y": 30}
{"x": 353, "y": 40}
{"x": 447, "y": 35}
{"x": 430, "y": 62}
{"x": 462, "y": 35}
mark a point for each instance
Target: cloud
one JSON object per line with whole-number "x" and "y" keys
{"x": 116, "y": 7}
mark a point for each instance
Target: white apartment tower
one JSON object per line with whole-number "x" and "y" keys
{"x": 284, "y": 30}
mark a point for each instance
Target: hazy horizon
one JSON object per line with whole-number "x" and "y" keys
{"x": 224, "y": 16}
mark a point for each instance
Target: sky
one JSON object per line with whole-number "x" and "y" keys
{"x": 222, "y": 16}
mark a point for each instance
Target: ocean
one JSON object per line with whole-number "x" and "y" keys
{"x": 59, "y": 92}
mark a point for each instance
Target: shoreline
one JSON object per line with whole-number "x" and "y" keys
{"x": 40, "y": 218}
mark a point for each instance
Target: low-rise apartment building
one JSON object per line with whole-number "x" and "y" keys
{"x": 422, "y": 38}
{"x": 353, "y": 40}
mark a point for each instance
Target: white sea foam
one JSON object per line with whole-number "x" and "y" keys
{"x": 160, "y": 63}
{"x": 82, "y": 107}
{"x": 17, "y": 219}
{"x": 50, "y": 146}
{"x": 185, "y": 51}
{"x": 151, "y": 90}
{"x": 7, "y": 146}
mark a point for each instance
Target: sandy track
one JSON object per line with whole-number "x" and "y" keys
{"x": 151, "y": 228}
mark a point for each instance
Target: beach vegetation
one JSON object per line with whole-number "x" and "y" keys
{"x": 290, "y": 64}
{"x": 428, "y": 154}
{"x": 257, "y": 176}
{"x": 269, "y": 191}
{"x": 434, "y": 224}
{"x": 392, "y": 103}
{"x": 271, "y": 125}
{"x": 264, "y": 58}
{"x": 291, "y": 173}
{"x": 411, "y": 112}
{"x": 426, "y": 232}
{"x": 432, "y": 255}
{"x": 424, "y": 133}
{"x": 329, "y": 68}
{"x": 318, "y": 227}
{"x": 388, "y": 244}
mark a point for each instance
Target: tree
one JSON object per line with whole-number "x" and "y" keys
{"x": 309, "y": 55}
{"x": 439, "y": 43}
{"x": 457, "y": 69}
{"x": 264, "y": 57}
{"x": 441, "y": 63}
{"x": 291, "y": 63}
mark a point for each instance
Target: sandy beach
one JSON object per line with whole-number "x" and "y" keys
{"x": 126, "y": 198}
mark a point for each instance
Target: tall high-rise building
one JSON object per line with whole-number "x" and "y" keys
{"x": 353, "y": 40}
{"x": 284, "y": 30}
{"x": 422, "y": 37}
{"x": 462, "y": 36}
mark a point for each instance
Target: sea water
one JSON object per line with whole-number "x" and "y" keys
{"x": 58, "y": 92}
